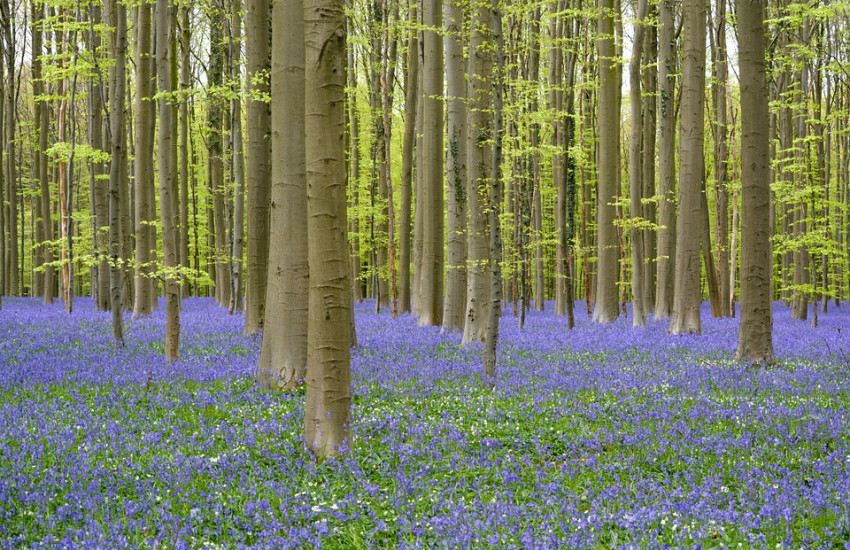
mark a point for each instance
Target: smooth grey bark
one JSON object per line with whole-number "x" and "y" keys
{"x": 479, "y": 171}
{"x": 433, "y": 254}
{"x": 755, "y": 338}
{"x": 327, "y": 417}
{"x": 455, "y": 300}
{"x": 283, "y": 355}
{"x": 167, "y": 178}
{"x": 687, "y": 297}
{"x": 411, "y": 94}
{"x": 237, "y": 235}
{"x": 117, "y": 18}
{"x": 258, "y": 150}
{"x": 606, "y": 309}
{"x": 636, "y": 161}
{"x": 145, "y": 209}
{"x": 666, "y": 254}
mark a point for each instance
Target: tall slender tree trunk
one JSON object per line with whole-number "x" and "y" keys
{"x": 167, "y": 179}
{"x": 534, "y": 139}
{"x": 556, "y": 104}
{"x": 183, "y": 115}
{"x": 721, "y": 169}
{"x": 666, "y": 258}
{"x": 686, "y": 305}
{"x": 495, "y": 199}
{"x": 755, "y": 339}
{"x": 215, "y": 161}
{"x": 143, "y": 164}
{"x": 328, "y": 402}
{"x": 606, "y": 309}
{"x": 42, "y": 122}
{"x": 258, "y": 117}
{"x": 636, "y": 160}
{"x": 11, "y": 176}
{"x": 283, "y": 355}
{"x": 237, "y": 237}
{"x": 455, "y": 302}
{"x": 412, "y": 93}
{"x": 650, "y": 72}
{"x": 479, "y": 171}
{"x": 117, "y": 19}
{"x": 433, "y": 255}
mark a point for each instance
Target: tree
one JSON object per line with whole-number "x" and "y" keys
{"x": 284, "y": 355}
{"x": 237, "y": 243}
{"x": 665, "y": 260}
{"x": 145, "y": 208}
{"x": 167, "y": 179}
{"x": 636, "y": 170}
{"x": 215, "y": 160}
{"x": 455, "y": 300}
{"x": 328, "y": 403}
{"x": 686, "y": 304}
{"x": 606, "y": 309}
{"x": 755, "y": 341}
{"x": 431, "y": 275}
{"x": 258, "y": 125}
{"x": 411, "y": 101}
{"x": 479, "y": 170}
{"x": 116, "y": 15}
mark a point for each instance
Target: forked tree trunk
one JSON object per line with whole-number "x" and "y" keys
{"x": 328, "y": 404}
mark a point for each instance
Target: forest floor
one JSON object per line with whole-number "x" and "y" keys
{"x": 599, "y": 437}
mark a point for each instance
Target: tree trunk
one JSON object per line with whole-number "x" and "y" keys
{"x": 215, "y": 162}
{"x": 687, "y": 301}
{"x": 117, "y": 19}
{"x": 144, "y": 176}
{"x": 495, "y": 199}
{"x": 650, "y": 56}
{"x": 606, "y": 309}
{"x": 167, "y": 180}
{"x": 237, "y": 236}
{"x": 183, "y": 114}
{"x": 283, "y": 355}
{"x": 479, "y": 169}
{"x": 328, "y": 403}
{"x": 456, "y": 282}
{"x": 258, "y": 124}
{"x": 666, "y": 162}
{"x": 412, "y": 93}
{"x": 755, "y": 343}
{"x": 636, "y": 161}
{"x": 720, "y": 163}
{"x": 42, "y": 122}
{"x": 433, "y": 255}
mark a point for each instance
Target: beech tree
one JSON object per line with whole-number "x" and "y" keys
{"x": 284, "y": 355}
{"x": 755, "y": 341}
{"x": 686, "y": 305}
{"x": 327, "y": 418}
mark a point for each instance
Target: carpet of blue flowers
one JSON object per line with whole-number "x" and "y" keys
{"x": 599, "y": 437}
